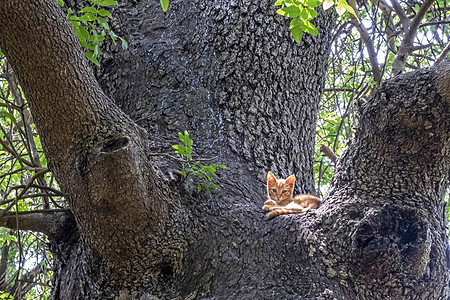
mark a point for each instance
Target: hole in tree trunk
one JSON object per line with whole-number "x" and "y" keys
{"x": 166, "y": 270}
{"x": 115, "y": 144}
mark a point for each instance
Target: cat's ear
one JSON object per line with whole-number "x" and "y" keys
{"x": 290, "y": 180}
{"x": 270, "y": 178}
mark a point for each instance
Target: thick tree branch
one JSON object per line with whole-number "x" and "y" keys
{"x": 47, "y": 221}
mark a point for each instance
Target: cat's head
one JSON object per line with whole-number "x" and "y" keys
{"x": 280, "y": 189}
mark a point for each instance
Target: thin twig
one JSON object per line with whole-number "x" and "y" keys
{"x": 434, "y": 23}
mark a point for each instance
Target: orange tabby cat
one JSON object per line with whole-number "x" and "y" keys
{"x": 280, "y": 198}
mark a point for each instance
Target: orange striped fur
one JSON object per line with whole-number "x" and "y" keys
{"x": 280, "y": 200}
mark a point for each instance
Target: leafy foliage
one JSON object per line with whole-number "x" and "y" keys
{"x": 192, "y": 168}
{"x": 302, "y": 11}
{"x": 92, "y": 27}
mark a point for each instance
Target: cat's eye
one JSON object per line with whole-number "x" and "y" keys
{"x": 284, "y": 192}
{"x": 274, "y": 191}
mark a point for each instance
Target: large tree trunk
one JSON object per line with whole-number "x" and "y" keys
{"x": 231, "y": 75}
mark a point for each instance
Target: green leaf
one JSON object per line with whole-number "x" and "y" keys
{"x": 199, "y": 188}
{"x": 124, "y": 43}
{"x": 87, "y": 17}
{"x": 310, "y": 28}
{"x": 178, "y": 147}
{"x": 313, "y": 3}
{"x": 82, "y": 35}
{"x": 181, "y": 137}
{"x": 104, "y": 13}
{"x": 297, "y": 34}
{"x": 92, "y": 58}
{"x": 103, "y": 23}
{"x": 292, "y": 11}
{"x": 108, "y": 2}
{"x": 7, "y": 115}
{"x": 294, "y": 22}
{"x": 308, "y": 14}
{"x": 164, "y": 4}
{"x": 88, "y": 9}
{"x": 347, "y": 7}
{"x": 60, "y": 2}
{"x": 279, "y": 2}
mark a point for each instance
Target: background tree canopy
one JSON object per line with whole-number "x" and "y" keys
{"x": 368, "y": 47}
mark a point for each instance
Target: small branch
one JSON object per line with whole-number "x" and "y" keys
{"x": 14, "y": 153}
{"x": 328, "y": 153}
{"x": 23, "y": 170}
{"x": 434, "y": 23}
{"x": 338, "y": 32}
{"x": 443, "y": 55}
{"x": 421, "y": 47}
{"x": 37, "y": 186}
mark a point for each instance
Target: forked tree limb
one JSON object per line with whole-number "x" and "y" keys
{"x": 406, "y": 47}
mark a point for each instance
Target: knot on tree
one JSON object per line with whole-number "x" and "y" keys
{"x": 390, "y": 239}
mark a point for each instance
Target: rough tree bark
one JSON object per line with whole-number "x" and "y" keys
{"x": 229, "y": 73}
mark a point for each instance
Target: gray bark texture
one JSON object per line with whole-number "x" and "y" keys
{"x": 230, "y": 74}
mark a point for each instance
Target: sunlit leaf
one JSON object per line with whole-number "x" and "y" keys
{"x": 108, "y": 2}
{"x": 340, "y": 9}
{"x": 327, "y": 4}
{"x": 164, "y": 4}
